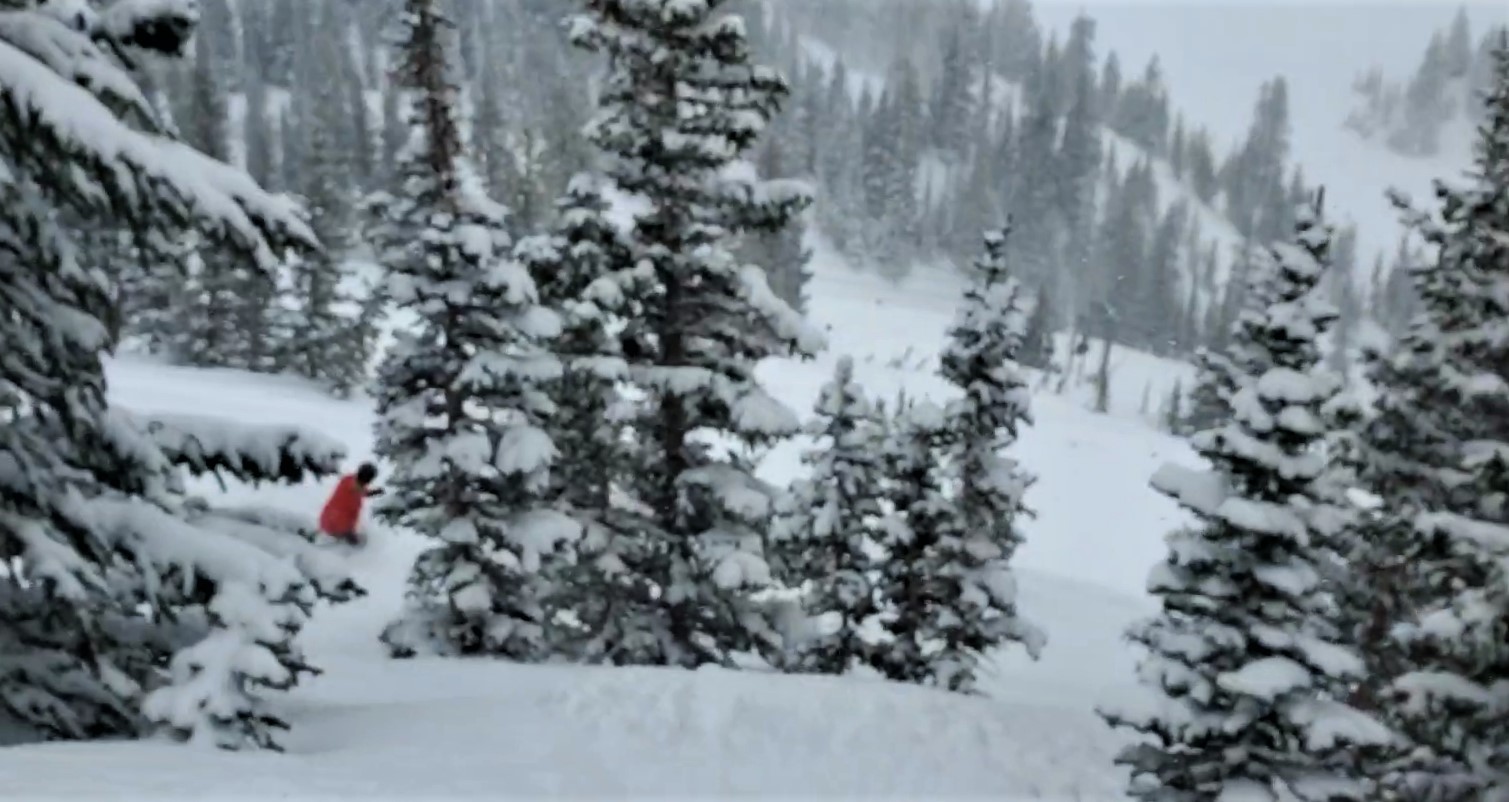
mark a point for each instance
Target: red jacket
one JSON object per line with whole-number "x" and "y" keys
{"x": 344, "y": 509}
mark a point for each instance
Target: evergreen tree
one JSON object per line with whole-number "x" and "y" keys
{"x": 329, "y": 340}
{"x": 363, "y": 134}
{"x": 783, "y": 253}
{"x": 1397, "y": 300}
{"x": 1019, "y": 41}
{"x": 901, "y": 138}
{"x": 1202, "y": 167}
{"x": 823, "y": 537}
{"x": 953, "y": 97}
{"x": 697, "y": 514}
{"x": 283, "y": 39}
{"x": 1143, "y": 114}
{"x": 1032, "y": 206}
{"x": 1480, "y": 78}
{"x": 1250, "y": 652}
{"x": 840, "y": 167}
{"x": 1177, "y": 147}
{"x": 258, "y": 131}
{"x": 880, "y": 143}
{"x": 1427, "y": 104}
{"x": 1434, "y": 605}
{"x": 948, "y": 575}
{"x": 584, "y": 270}
{"x": 1173, "y": 410}
{"x": 917, "y": 511}
{"x": 463, "y": 412}
{"x": 226, "y": 317}
{"x": 393, "y": 135}
{"x": 980, "y": 360}
{"x": 1126, "y": 280}
{"x": 977, "y": 203}
{"x": 1155, "y": 308}
{"x": 1110, "y": 87}
{"x": 1458, "y": 46}
{"x": 147, "y": 298}
{"x": 122, "y": 597}
{"x": 1254, "y": 176}
{"x": 1078, "y": 157}
{"x": 1348, "y": 300}
{"x": 1037, "y": 341}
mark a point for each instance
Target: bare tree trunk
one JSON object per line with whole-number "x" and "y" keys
{"x": 1068, "y": 367}
{"x": 1103, "y": 379}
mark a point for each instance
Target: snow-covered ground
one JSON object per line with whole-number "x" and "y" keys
{"x": 371, "y": 727}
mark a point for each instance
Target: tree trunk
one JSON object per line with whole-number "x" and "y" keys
{"x": 1103, "y": 379}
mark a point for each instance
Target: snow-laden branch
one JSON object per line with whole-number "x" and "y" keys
{"x": 60, "y": 99}
{"x": 248, "y": 453}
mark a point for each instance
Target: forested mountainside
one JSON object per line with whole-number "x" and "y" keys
{"x": 1409, "y": 113}
{"x": 920, "y": 124}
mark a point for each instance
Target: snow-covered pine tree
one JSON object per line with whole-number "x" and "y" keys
{"x": 329, "y": 339}
{"x": 1250, "y": 655}
{"x": 1437, "y": 451}
{"x": 462, "y": 402}
{"x": 824, "y": 538}
{"x": 1210, "y": 399}
{"x": 678, "y": 106}
{"x": 916, "y": 510}
{"x": 970, "y": 562}
{"x": 1218, "y": 371}
{"x": 1037, "y": 341}
{"x": 110, "y": 575}
{"x": 1171, "y": 415}
{"x": 783, "y": 253}
{"x": 210, "y": 307}
{"x": 583, "y": 269}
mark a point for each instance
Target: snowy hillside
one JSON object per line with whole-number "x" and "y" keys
{"x": 1212, "y": 78}
{"x": 1005, "y": 95}
{"x": 374, "y": 726}
{"x": 1213, "y": 74}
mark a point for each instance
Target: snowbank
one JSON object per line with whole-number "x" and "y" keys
{"x": 427, "y": 730}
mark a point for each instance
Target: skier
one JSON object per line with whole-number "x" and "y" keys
{"x": 343, "y": 512}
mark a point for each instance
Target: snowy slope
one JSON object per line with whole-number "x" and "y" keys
{"x": 936, "y": 174}
{"x": 373, "y": 727}
{"x": 444, "y": 730}
{"x": 1215, "y": 55}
